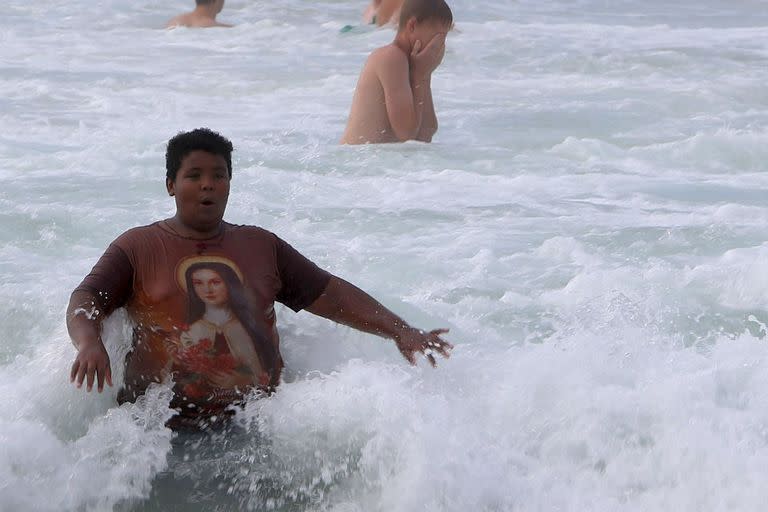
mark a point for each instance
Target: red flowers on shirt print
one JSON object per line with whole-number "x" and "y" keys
{"x": 203, "y": 358}
{"x": 201, "y": 369}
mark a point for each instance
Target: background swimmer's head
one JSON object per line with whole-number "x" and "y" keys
{"x": 218, "y": 4}
{"x": 432, "y": 12}
{"x": 200, "y": 139}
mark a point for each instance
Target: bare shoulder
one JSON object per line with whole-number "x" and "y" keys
{"x": 173, "y": 23}
{"x": 182, "y": 20}
{"x": 389, "y": 54}
{"x": 387, "y": 59}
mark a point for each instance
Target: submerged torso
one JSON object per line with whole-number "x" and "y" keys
{"x": 368, "y": 117}
{"x": 203, "y": 310}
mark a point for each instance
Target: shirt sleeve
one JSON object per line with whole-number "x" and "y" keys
{"x": 302, "y": 281}
{"x": 111, "y": 280}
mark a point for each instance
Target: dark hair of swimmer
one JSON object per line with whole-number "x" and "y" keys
{"x": 201, "y": 139}
{"x": 238, "y": 303}
{"x": 220, "y": 6}
{"x": 424, "y": 10}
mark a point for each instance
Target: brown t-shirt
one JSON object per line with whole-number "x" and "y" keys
{"x": 203, "y": 309}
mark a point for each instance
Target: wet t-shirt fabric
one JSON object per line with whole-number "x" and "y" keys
{"x": 203, "y": 310}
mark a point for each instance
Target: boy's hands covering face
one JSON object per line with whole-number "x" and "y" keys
{"x": 425, "y": 60}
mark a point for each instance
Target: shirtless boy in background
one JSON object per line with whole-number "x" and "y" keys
{"x": 382, "y": 12}
{"x": 203, "y": 16}
{"x": 393, "y": 99}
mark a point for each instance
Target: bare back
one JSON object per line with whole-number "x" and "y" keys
{"x": 194, "y": 20}
{"x": 368, "y": 118}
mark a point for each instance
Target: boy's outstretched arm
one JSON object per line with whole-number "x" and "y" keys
{"x": 347, "y": 304}
{"x": 84, "y": 318}
{"x": 106, "y": 288}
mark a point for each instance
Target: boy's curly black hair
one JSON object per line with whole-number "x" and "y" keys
{"x": 200, "y": 139}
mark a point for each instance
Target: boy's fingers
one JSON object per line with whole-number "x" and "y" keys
{"x": 441, "y": 345}
{"x": 416, "y": 47}
{"x": 100, "y": 379}
{"x": 436, "y": 40}
{"x": 91, "y": 372}
{"x": 80, "y": 375}
{"x": 73, "y": 372}
{"x": 440, "y": 41}
{"x": 109, "y": 375}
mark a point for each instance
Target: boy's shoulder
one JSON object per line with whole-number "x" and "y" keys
{"x": 139, "y": 237}
{"x": 182, "y": 20}
{"x": 389, "y": 54}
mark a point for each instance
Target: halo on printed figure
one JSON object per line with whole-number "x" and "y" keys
{"x": 183, "y": 266}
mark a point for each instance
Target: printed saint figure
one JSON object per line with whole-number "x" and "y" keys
{"x": 220, "y": 346}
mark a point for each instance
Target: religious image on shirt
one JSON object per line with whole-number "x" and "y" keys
{"x": 219, "y": 350}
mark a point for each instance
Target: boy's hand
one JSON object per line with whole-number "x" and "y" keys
{"x": 425, "y": 61}
{"x": 430, "y": 344}
{"x": 92, "y": 361}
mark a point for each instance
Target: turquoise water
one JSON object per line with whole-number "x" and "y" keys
{"x": 590, "y": 221}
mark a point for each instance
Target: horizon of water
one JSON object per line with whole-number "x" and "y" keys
{"x": 590, "y": 222}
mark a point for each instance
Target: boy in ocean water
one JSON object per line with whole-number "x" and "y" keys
{"x": 393, "y": 98}
{"x": 201, "y": 292}
{"x": 382, "y": 12}
{"x": 203, "y": 16}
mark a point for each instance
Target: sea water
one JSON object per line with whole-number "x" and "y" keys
{"x": 590, "y": 222}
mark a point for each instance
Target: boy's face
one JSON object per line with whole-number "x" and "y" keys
{"x": 426, "y": 30}
{"x": 201, "y": 190}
